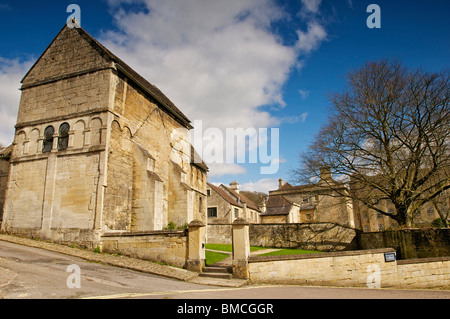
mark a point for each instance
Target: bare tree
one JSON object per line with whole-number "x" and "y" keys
{"x": 388, "y": 137}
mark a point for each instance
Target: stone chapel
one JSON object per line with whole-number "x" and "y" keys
{"x": 97, "y": 148}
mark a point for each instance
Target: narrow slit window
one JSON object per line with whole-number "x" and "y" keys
{"x": 63, "y": 138}
{"x": 48, "y": 139}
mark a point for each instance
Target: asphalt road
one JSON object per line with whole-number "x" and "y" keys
{"x": 32, "y": 273}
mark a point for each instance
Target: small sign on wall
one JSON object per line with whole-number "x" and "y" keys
{"x": 388, "y": 257}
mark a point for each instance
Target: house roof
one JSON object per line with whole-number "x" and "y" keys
{"x": 122, "y": 67}
{"x": 318, "y": 188}
{"x": 240, "y": 197}
{"x": 277, "y": 205}
{"x": 224, "y": 195}
{"x": 286, "y": 186}
{"x": 5, "y": 153}
{"x": 197, "y": 160}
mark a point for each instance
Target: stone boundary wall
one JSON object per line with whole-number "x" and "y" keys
{"x": 410, "y": 243}
{"x": 366, "y": 268}
{"x": 424, "y": 272}
{"x": 219, "y": 234}
{"x": 310, "y": 236}
{"x": 169, "y": 247}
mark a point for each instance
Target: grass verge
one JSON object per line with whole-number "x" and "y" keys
{"x": 229, "y": 248}
{"x": 213, "y": 257}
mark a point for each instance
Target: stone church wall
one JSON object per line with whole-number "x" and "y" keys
{"x": 123, "y": 168}
{"x": 4, "y": 171}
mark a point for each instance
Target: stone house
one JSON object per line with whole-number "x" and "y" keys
{"x": 320, "y": 202}
{"x": 97, "y": 149}
{"x": 369, "y": 220}
{"x": 225, "y": 204}
{"x": 222, "y": 208}
{"x": 279, "y": 210}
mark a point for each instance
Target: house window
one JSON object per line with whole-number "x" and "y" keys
{"x": 308, "y": 216}
{"x": 48, "y": 139}
{"x": 305, "y": 199}
{"x": 366, "y": 228}
{"x": 63, "y": 138}
{"x": 366, "y": 216}
{"x": 380, "y": 227}
{"x": 208, "y": 192}
{"x": 236, "y": 213}
{"x": 212, "y": 211}
{"x": 430, "y": 211}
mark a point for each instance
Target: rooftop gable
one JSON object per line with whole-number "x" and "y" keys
{"x": 241, "y": 198}
{"x": 74, "y": 45}
{"x": 224, "y": 195}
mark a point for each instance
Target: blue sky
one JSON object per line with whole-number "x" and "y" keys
{"x": 234, "y": 64}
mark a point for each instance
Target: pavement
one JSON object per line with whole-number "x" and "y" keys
{"x": 145, "y": 266}
{"x": 6, "y": 276}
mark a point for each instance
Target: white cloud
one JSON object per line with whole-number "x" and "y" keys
{"x": 263, "y": 185}
{"x": 311, "y": 39}
{"x": 220, "y": 169}
{"x": 11, "y": 73}
{"x": 304, "y": 94}
{"x": 218, "y": 61}
{"x": 303, "y": 117}
{"x": 296, "y": 118}
{"x": 311, "y": 6}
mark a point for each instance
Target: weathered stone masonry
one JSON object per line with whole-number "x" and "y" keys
{"x": 93, "y": 150}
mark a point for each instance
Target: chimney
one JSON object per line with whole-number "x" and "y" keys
{"x": 234, "y": 185}
{"x": 262, "y": 207}
{"x": 325, "y": 173}
{"x": 280, "y": 183}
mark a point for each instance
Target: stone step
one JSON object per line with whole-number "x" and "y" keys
{"x": 217, "y": 269}
{"x": 216, "y": 275}
{"x": 223, "y": 272}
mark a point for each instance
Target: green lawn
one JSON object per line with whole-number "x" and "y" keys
{"x": 213, "y": 257}
{"x": 229, "y": 248}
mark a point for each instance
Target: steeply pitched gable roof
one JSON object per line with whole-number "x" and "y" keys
{"x": 241, "y": 198}
{"x": 122, "y": 67}
{"x": 224, "y": 195}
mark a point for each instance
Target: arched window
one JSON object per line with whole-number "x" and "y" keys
{"x": 63, "y": 138}
{"x": 48, "y": 139}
